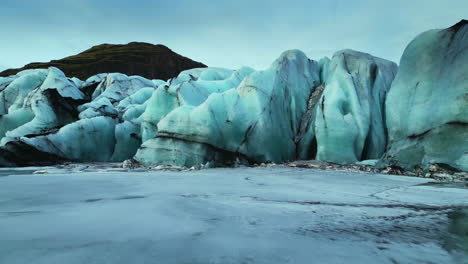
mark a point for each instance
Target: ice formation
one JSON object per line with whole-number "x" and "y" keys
{"x": 427, "y": 106}
{"x": 56, "y": 117}
{"x": 275, "y": 115}
{"x": 255, "y": 121}
{"x": 341, "y": 110}
{"x": 349, "y": 124}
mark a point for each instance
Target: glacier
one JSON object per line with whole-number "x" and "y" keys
{"x": 345, "y": 109}
{"x": 60, "y": 118}
{"x": 207, "y": 116}
{"x": 274, "y": 115}
{"x": 241, "y": 122}
{"x": 349, "y": 124}
{"x": 427, "y": 105}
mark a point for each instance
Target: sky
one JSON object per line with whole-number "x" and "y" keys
{"x": 219, "y": 33}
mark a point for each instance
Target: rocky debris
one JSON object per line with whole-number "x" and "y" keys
{"x": 444, "y": 172}
{"x": 130, "y": 164}
{"x": 436, "y": 171}
{"x": 168, "y": 167}
{"x": 323, "y": 165}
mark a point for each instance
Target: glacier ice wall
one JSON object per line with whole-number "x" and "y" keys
{"x": 45, "y": 114}
{"x": 191, "y": 88}
{"x": 255, "y": 121}
{"x": 296, "y": 109}
{"x": 36, "y": 102}
{"x": 349, "y": 124}
{"x": 344, "y": 109}
{"x": 427, "y": 105}
{"x": 274, "y": 115}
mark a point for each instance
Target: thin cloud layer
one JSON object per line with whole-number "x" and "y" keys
{"x": 219, "y": 33}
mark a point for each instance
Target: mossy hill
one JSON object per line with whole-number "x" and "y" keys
{"x": 135, "y": 58}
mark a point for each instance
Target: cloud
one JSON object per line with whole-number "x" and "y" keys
{"x": 219, "y": 33}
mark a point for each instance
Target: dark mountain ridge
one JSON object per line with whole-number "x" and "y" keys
{"x": 135, "y": 58}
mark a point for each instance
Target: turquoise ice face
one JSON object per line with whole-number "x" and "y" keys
{"x": 427, "y": 105}
{"x": 296, "y": 109}
{"x": 273, "y": 115}
{"x": 349, "y": 122}
{"x": 94, "y": 120}
{"x": 250, "y": 115}
{"x": 35, "y": 102}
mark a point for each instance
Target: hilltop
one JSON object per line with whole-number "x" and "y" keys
{"x": 135, "y": 58}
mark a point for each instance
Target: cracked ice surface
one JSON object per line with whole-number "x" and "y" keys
{"x": 245, "y": 215}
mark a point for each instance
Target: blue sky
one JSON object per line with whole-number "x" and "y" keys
{"x": 216, "y": 32}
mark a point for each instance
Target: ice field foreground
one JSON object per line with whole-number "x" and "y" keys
{"x": 243, "y": 215}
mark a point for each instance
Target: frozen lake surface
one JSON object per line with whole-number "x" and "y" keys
{"x": 243, "y": 215}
